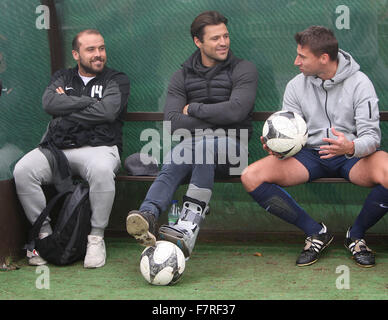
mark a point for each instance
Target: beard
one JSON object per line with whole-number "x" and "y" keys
{"x": 89, "y": 69}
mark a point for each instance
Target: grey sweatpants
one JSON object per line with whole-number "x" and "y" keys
{"x": 97, "y": 165}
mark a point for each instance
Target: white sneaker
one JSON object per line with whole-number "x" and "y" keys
{"x": 34, "y": 259}
{"x": 95, "y": 252}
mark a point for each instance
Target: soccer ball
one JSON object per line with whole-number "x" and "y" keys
{"x": 162, "y": 264}
{"x": 285, "y": 132}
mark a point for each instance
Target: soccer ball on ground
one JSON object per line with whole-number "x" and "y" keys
{"x": 162, "y": 264}
{"x": 285, "y": 132}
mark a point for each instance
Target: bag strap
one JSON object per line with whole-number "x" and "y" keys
{"x": 34, "y": 231}
{"x": 76, "y": 199}
{"x": 59, "y": 166}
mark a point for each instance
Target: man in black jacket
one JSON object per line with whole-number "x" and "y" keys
{"x": 212, "y": 97}
{"x": 87, "y": 104}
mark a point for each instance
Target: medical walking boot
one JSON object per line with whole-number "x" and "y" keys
{"x": 185, "y": 231}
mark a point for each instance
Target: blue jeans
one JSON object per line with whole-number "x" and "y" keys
{"x": 196, "y": 160}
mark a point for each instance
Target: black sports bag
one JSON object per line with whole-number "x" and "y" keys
{"x": 71, "y": 206}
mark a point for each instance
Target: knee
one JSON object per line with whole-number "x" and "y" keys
{"x": 26, "y": 178}
{"x": 32, "y": 168}
{"x": 250, "y": 178}
{"x": 20, "y": 173}
{"x": 173, "y": 169}
{"x": 100, "y": 174}
{"x": 383, "y": 176}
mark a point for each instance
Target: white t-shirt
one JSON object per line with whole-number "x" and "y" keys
{"x": 85, "y": 79}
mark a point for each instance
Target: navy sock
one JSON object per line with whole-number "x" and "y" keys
{"x": 375, "y": 207}
{"x": 277, "y": 201}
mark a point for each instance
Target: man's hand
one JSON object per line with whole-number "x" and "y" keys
{"x": 185, "y": 110}
{"x": 336, "y": 147}
{"x": 265, "y": 147}
{"x": 60, "y": 90}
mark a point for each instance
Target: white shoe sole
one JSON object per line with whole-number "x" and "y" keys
{"x": 92, "y": 266}
{"x": 36, "y": 261}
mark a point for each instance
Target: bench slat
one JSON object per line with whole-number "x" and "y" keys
{"x": 231, "y": 180}
{"x": 256, "y": 116}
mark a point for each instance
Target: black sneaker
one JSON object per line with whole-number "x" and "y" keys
{"x": 314, "y": 246}
{"x": 362, "y": 255}
{"x": 142, "y": 226}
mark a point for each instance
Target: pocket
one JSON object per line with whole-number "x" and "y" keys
{"x": 114, "y": 151}
{"x": 102, "y": 133}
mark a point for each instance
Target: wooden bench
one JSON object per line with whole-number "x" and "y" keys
{"x": 257, "y": 116}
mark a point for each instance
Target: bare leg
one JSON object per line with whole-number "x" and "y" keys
{"x": 288, "y": 172}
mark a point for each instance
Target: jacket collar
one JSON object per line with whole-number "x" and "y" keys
{"x": 194, "y": 64}
{"x": 76, "y": 74}
{"x": 347, "y": 66}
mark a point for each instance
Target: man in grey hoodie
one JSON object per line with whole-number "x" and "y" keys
{"x": 213, "y": 93}
{"x": 340, "y": 106}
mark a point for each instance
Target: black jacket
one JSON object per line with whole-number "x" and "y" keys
{"x": 86, "y": 115}
{"x": 219, "y": 97}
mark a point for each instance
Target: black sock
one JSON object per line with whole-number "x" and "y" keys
{"x": 375, "y": 207}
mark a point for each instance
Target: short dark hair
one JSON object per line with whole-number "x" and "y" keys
{"x": 204, "y": 19}
{"x": 75, "y": 43}
{"x": 320, "y": 40}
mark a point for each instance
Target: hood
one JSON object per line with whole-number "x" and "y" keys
{"x": 194, "y": 64}
{"x": 347, "y": 66}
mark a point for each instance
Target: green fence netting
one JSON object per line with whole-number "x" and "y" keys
{"x": 149, "y": 39}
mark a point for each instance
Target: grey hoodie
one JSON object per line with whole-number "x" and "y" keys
{"x": 347, "y": 102}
